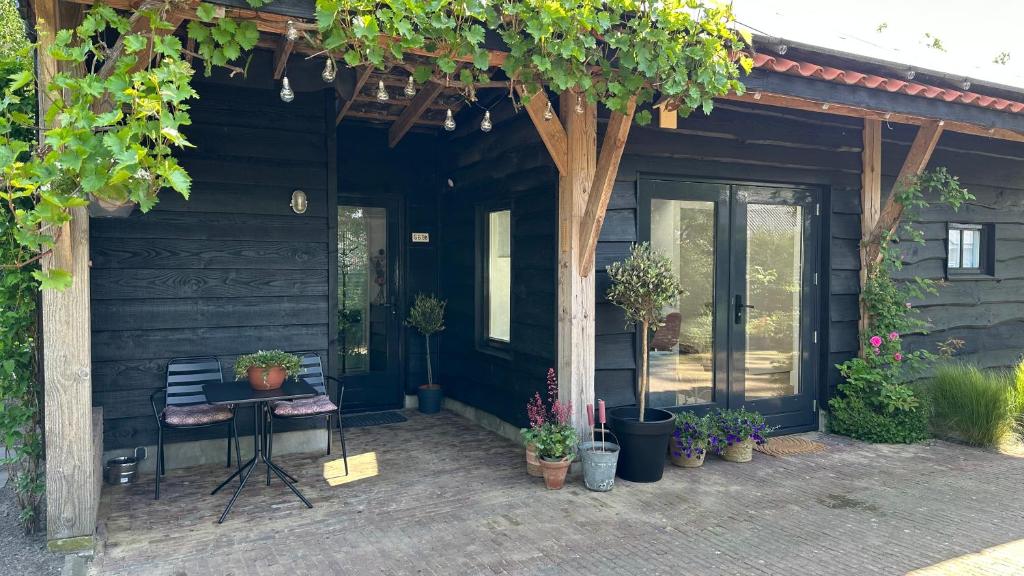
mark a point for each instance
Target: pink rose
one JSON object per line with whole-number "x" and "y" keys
{"x": 876, "y": 341}
{"x": 877, "y": 351}
{"x": 897, "y": 357}
{"x": 893, "y": 336}
{"x": 909, "y": 305}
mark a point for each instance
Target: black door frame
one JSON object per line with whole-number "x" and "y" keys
{"x": 722, "y": 192}
{"x": 395, "y": 206}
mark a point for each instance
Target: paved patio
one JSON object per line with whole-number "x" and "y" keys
{"x": 438, "y": 495}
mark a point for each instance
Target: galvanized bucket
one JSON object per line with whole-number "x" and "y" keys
{"x": 123, "y": 470}
{"x": 599, "y": 462}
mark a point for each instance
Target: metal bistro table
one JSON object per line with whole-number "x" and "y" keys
{"x": 240, "y": 393}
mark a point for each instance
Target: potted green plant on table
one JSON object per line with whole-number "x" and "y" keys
{"x": 734, "y": 433}
{"x": 267, "y": 369}
{"x": 642, "y": 285}
{"x": 551, "y": 436}
{"x": 427, "y": 316}
{"x": 690, "y": 440}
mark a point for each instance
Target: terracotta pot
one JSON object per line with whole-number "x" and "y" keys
{"x": 683, "y": 462}
{"x": 272, "y": 380}
{"x": 532, "y": 461}
{"x": 554, "y": 472}
{"x": 739, "y": 452}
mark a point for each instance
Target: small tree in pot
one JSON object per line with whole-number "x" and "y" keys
{"x": 427, "y": 316}
{"x": 642, "y": 285}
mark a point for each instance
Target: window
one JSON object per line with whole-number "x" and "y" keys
{"x": 968, "y": 249}
{"x": 498, "y": 275}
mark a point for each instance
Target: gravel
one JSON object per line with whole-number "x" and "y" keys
{"x": 22, "y": 555}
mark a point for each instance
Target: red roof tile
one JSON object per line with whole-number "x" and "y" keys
{"x": 852, "y": 78}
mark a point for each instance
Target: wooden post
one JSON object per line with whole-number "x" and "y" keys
{"x": 71, "y": 498}
{"x": 870, "y": 199}
{"x": 575, "y": 291}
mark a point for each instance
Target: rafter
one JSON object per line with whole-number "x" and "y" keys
{"x": 604, "y": 180}
{"x": 419, "y": 104}
{"x": 360, "y": 82}
{"x": 551, "y": 131}
{"x": 281, "y": 53}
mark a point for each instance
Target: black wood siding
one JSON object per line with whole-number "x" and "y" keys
{"x": 511, "y": 164}
{"x": 229, "y": 271}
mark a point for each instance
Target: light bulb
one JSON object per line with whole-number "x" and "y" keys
{"x": 382, "y": 93}
{"x": 286, "y": 90}
{"x": 485, "y": 124}
{"x": 291, "y": 33}
{"x": 579, "y": 104}
{"x": 410, "y": 88}
{"x": 549, "y": 112}
{"x": 330, "y": 71}
{"x": 449, "y": 122}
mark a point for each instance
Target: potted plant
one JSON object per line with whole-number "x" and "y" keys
{"x": 539, "y": 414}
{"x": 642, "y": 285}
{"x": 551, "y": 434}
{"x": 690, "y": 440}
{"x": 427, "y": 316}
{"x": 267, "y": 369}
{"x": 734, "y": 433}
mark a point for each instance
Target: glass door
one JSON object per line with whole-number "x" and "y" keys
{"x": 367, "y": 312}
{"x": 742, "y": 332}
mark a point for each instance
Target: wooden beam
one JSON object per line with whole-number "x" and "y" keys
{"x": 668, "y": 118}
{"x": 551, "y": 131}
{"x": 796, "y": 103}
{"x": 419, "y": 104}
{"x": 604, "y": 180}
{"x": 575, "y": 292}
{"x": 139, "y": 23}
{"x": 871, "y": 200}
{"x": 915, "y": 163}
{"x": 71, "y": 475}
{"x": 360, "y": 82}
{"x": 281, "y": 53}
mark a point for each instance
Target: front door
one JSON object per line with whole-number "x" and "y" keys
{"x": 367, "y": 308}
{"x": 744, "y": 331}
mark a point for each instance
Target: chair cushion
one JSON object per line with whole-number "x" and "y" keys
{"x": 304, "y": 407}
{"x": 196, "y": 414}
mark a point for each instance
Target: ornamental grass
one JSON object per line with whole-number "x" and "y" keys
{"x": 973, "y": 405}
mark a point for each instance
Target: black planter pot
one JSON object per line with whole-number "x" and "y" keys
{"x": 643, "y": 445}
{"x": 430, "y": 399}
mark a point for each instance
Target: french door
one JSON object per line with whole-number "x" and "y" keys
{"x": 368, "y": 315}
{"x": 744, "y": 331}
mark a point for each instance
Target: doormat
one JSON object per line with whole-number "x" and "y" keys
{"x": 789, "y": 446}
{"x": 372, "y": 419}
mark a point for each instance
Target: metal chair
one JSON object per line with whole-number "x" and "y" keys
{"x": 185, "y": 405}
{"x": 311, "y": 372}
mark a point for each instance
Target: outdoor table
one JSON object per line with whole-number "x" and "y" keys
{"x": 240, "y": 393}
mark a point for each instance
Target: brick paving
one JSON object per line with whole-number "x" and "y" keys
{"x": 451, "y": 498}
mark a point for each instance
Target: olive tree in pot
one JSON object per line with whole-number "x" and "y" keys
{"x": 427, "y": 316}
{"x": 642, "y": 285}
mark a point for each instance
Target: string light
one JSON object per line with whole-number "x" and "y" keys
{"x": 449, "y": 121}
{"x": 549, "y": 112}
{"x": 485, "y": 124}
{"x": 579, "y": 104}
{"x": 286, "y": 90}
{"x": 330, "y": 71}
{"x": 410, "y": 88}
{"x": 382, "y": 93}
{"x": 292, "y": 33}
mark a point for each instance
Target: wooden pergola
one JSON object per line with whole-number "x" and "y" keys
{"x": 587, "y": 173}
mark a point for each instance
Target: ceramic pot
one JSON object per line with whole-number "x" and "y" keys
{"x": 532, "y": 461}
{"x": 739, "y": 451}
{"x": 554, "y": 472}
{"x": 696, "y": 461}
{"x": 266, "y": 378}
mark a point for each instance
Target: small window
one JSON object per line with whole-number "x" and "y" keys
{"x": 968, "y": 249}
{"x": 498, "y": 276}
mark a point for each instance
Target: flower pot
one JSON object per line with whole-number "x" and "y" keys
{"x": 554, "y": 472}
{"x": 739, "y": 451}
{"x": 599, "y": 462}
{"x": 642, "y": 444}
{"x": 266, "y": 378}
{"x": 532, "y": 461}
{"x": 695, "y": 461}
{"x": 430, "y": 398}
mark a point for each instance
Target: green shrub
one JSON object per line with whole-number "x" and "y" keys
{"x": 974, "y": 405}
{"x": 851, "y": 416}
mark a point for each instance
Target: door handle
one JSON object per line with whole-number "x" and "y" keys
{"x": 739, "y": 307}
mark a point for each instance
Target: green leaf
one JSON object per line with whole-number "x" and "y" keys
{"x": 206, "y": 12}
{"x": 53, "y": 279}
